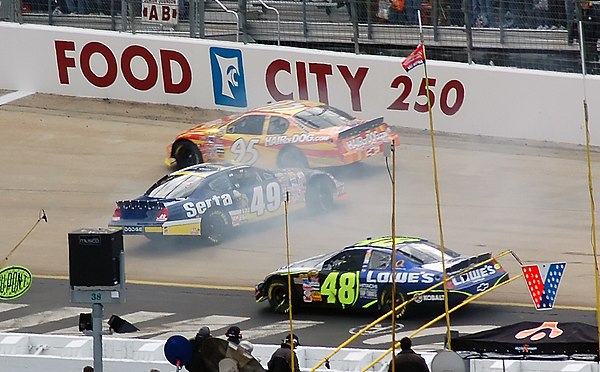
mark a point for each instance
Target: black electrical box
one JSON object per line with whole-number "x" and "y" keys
{"x": 95, "y": 257}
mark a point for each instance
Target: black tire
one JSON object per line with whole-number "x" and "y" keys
{"x": 215, "y": 226}
{"x": 277, "y": 295}
{"x": 319, "y": 195}
{"x": 385, "y": 301}
{"x": 186, "y": 154}
{"x": 291, "y": 157}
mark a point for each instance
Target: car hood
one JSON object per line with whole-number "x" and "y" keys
{"x": 210, "y": 127}
{"x": 312, "y": 263}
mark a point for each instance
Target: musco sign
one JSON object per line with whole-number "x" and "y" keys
{"x": 14, "y": 282}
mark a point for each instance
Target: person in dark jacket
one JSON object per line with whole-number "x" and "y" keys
{"x": 407, "y": 360}
{"x": 196, "y": 363}
{"x": 281, "y": 360}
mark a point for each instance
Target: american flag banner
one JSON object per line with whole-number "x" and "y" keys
{"x": 542, "y": 282}
{"x": 414, "y": 59}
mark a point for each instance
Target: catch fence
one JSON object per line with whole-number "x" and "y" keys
{"x": 533, "y": 34}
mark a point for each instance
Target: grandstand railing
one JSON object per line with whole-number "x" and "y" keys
{"x": 514, "y": 33}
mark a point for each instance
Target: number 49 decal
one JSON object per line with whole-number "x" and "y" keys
{"x": 342, "y": 288}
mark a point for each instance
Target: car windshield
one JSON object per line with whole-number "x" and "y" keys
{"x": 175, "y": 186}
{"x": 320, "y": 117}
{"x": 425, "y": 253}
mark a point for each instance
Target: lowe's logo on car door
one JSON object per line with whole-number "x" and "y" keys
{"x": 229, "y": 86}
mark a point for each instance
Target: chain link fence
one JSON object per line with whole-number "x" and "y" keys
{"x": 533, "y": 34}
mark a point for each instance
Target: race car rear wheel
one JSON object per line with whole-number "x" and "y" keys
{"x": 319, "y": 195}
{"x": 215, "y": 226}
{"x": 385, "y": 301}
{"x": 291, "y": 157}
{"x": 186, "y": 153}
{"x": 277, "y": 294}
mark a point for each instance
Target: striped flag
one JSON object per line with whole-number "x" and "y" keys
{"x": 416, "y": 58}
{"x": 542, "y": 282}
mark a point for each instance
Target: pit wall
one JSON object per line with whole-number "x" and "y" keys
{"x": 21, "y": 352}
{"x": 467, "y": 99}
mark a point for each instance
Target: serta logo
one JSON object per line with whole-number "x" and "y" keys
{"x": 229, "y": 86}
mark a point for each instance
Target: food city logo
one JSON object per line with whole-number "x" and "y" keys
{"x": 95, "y": 56}
{"x": 14, "y": 282}
{"x": 227, "y": 68}
{"x": 296, "y": 138}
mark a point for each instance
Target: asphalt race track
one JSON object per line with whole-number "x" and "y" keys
{"x": 74, "y": 157}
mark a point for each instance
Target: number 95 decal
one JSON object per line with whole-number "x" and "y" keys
{"x": 451, "y": 96}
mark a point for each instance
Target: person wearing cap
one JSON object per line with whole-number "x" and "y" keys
{"x": 234, "y": 335}
{"x": 281, "y": 360}
{"x": 196, "y": 363}
{"x": 407, "y": 359}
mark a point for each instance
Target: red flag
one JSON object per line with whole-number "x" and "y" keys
{"x": 416, "y": 58}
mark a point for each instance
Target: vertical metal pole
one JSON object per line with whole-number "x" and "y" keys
{"x": 201, "y": 29}
{"x": 192, "y": 18}
{"x": 304, "y": 24}
{"x": 354, "y": 16}
{"x": 123, "y": 15}
{"x": 468, "y": 30}
{"x": 97, "y": 336}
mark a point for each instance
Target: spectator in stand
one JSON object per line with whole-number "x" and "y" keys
{"x": 396, "y": 13}
{"x": 540, "y": 15}
{"x": 483, "y": 15}
{"x": 410, "y": 10}
{"x": 590, "y": 16}
{"x": 407, "y": 359}
{"x": 281, "y": 359}
{"x": 82, "y": 7}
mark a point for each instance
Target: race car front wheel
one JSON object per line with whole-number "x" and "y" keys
{"x": 215, "y": 226}
{"x": 385, "y": 301}
{"x": 277, "y": 294}
{"x": 186, "y": 153}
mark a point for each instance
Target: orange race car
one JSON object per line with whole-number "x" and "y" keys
{"x": 285, "y": 134}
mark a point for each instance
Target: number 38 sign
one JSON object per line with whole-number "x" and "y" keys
{"x": 160, "y": 11}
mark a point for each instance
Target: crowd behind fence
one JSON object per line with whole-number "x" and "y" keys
{"x": 534, "y": 34}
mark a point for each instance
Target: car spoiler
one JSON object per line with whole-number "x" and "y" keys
{"x": 463, "y": 264}
{"x": 373, "y": 123}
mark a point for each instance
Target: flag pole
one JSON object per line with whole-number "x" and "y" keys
{"x": 590, "y": 178}
{"x": 289, "y": 280}
{"x": 436, "y": 183}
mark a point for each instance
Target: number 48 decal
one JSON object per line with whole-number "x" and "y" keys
{"x": 341, "y": 288}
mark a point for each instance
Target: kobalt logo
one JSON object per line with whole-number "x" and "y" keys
{"x": 283, "y": 140}
{"x": 429, "y": 297}
{"x": 89, "y": 240}
{"x": 371, "y": 138}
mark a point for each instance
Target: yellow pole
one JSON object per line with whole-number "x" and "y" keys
{"x": 590, "y": 180}
{"x": 437, "y": 201}
{"x": 393, "y": 148}
{"x": 289, "y": 279}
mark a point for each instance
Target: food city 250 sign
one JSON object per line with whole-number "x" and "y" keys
{"x": 227, "y": 70}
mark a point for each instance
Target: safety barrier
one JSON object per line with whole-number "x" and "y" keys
{"x": 53, "y": 353}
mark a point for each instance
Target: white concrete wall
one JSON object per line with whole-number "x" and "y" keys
{"x": 479, "y": 100}
{"x": 51, "y": 353}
